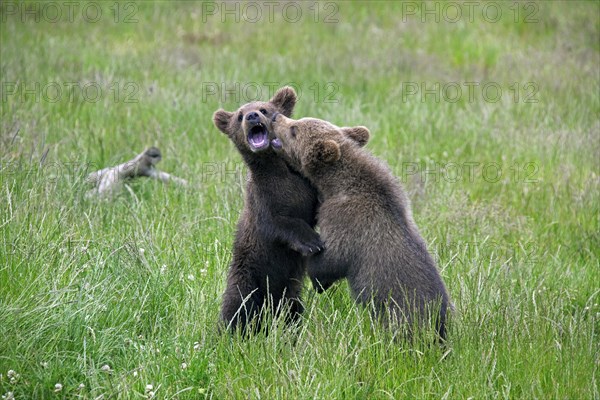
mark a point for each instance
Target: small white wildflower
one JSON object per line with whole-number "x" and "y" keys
{"x": 203, "y": 271}
{"x": 191, "y": 277}
{"x": 105, "y": 368}
{"x": 150, "y": 395}
{"x": 9, "y": 396}
{"x": 163, "y": 269}
{"x": 81, "y": 386}
{"x": 140, "y": 336}
{"x": 142, "y": 251}
{"x": 149, "y": 388}
{"x": 11, "y": 373}
{"x": 44, "y": 364}
{"x": 135, "y": 374}
{"x": 183, "y": 365}
{"x": 58, "y": 387}
{"x": 196, "y": 346}
{"x": 84, "y": 249}
{"x": 445, "y": 154}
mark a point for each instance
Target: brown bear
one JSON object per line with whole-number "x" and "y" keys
{"x": 366, "y": 224}
{"x": 275, "y": 229}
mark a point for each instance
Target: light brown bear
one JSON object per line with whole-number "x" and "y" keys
{"x": 366, "y": 224}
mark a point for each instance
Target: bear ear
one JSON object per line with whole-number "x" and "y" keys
{"x": 221, "y": 120}
{"x": 327, "y": 151}
{"x": 359, "y": 134}
{"x": 285, "y": 99}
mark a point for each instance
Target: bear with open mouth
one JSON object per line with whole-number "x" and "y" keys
{"x": 275, "y": 233}
{"x": 275, "y": 230}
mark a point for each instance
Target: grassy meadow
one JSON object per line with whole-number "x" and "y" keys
{"x": 488, "y": 113}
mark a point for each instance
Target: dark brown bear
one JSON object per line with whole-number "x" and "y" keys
{"x": 366, "y": 224}
{"x": 275, "y": 229}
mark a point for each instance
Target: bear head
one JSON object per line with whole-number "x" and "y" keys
{"x": 249, "y": 126}
{"x": 310, "y": 144}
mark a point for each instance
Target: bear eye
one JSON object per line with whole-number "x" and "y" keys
{"x": 293, "y": 131}
{"x": 240, "y": 116}
{"x": 263, "y": 111}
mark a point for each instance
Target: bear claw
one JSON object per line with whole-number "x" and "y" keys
{"x": 308, "y": 249}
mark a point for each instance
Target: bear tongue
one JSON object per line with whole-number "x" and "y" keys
{"x": 276, "y": 143}
{"x": 257, "y": 137}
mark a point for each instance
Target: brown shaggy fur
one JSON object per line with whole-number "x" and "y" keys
{"x": 275, "y": 229}
{"x": 366, "y": 224}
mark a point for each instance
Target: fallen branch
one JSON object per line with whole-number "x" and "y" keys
{"x": 107, "y": 180}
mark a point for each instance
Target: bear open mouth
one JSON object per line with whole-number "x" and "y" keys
{"x": 258, "y": 136}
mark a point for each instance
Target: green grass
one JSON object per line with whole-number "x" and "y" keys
{"x": 519, "y": 252}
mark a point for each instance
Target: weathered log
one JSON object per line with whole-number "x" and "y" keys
{"x": 109, "y": 179}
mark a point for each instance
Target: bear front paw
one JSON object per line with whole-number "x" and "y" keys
{"x": 308, "y": 248}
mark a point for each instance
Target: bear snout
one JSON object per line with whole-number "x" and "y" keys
{"x": 252, "y": 117}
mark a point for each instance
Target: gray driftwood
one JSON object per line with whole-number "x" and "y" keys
{"x": 108, "y": 179}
